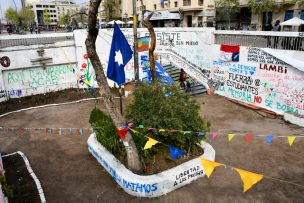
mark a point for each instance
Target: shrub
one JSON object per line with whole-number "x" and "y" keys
{"x": 105, "y": 130}
{"x": 165, "y": 107}
{"x": 6, "y": 189}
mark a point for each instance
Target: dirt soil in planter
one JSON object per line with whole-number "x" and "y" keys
{"x": 19, "y": 180}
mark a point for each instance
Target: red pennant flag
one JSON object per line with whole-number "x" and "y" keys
{"x": 122, "y": 132}
{"x": 248, "y": 137}
{"x": 46, "y": 130}
{"x": 173, "y": 131}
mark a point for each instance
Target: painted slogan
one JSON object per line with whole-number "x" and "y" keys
{"x": 262, "y": 80}
{"x": 24, "y": 82}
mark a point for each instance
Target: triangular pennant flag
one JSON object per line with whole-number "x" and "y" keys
{"x": 70, "y": 130}
{"x": 214, "y": 134}
{"x": 249, "y": 178}
{"x": 161, "y": 130}
{"x": 269, "y": 139}
{"x": 122, "y": 132}
{"x": 187, "y": 132}
{"x": 92, "y": 130}
{"x": 230, "y": 137}
{"x": 51, "y": 131}
{"x": 209, "y": 166}
{"x": 291, "y": 139}
{"x": 248, "y": 137}
{"x": 201, "y": 133}
{"x": 40, "y": 130}
{"x": 172, "y": 131}
{"x": 60, "y": 131}
{"x": 141, "y": 126}
{"x": 80, "y": 131}
{"x": 150, "y": 143}
{"x": 46, "y": 130}
{"x": 151, "y": 129}
{"x": 175, "y": 153}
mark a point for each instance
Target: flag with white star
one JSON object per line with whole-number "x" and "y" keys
{"x": 120, "y": 55}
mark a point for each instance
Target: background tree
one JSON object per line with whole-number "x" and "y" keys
{"x": 26, "y": 16}
{"x": 46, "y": 18}
{"x": 64, "y": 20}
{"x": 11, "y": 15}
{"x": 111, "y": 8}
{"x": 261, "y": 6}
{"x": 113, "y": 111}
{"x": 227, "y": 7}
{"x": 300, "y": 4}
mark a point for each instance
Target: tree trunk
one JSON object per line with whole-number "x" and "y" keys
{"x": 104, "y": 90}
{"x": 150, "y": 28}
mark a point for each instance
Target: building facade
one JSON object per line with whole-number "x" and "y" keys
{"x": 172, "y": 13}
{"x": 41, "y": 10}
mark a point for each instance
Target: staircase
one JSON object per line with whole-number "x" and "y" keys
{"x": 196, "y": 88}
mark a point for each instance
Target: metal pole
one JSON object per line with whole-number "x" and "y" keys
{"x": 136, "y": 69}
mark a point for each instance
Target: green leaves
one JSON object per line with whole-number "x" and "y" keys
{"x": 260, "y": 6}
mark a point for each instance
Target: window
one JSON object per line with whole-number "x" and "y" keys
{"x": 155, "y": 7}
{"x": 53, "y": 6}
{"x": 187, "y": 2}
{"x": 288, "y": 15}
{"x": 200, "y": 2}
{"x": 162, "y": 5}
{"x": 38, "y": 6}
{"x": 302, "y": 15}
{"x": 175, "y": 4}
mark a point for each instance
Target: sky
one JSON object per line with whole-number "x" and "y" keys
{"x": 5, "y": 4}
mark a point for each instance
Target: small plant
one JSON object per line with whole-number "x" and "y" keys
{"x": 105, "y": 130}
{"x": 8, "y": 192}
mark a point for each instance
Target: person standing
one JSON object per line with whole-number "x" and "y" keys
{"x": 31, "y": 30}
{"x": 182, "y": 78}
{"x": 276, "y": 28}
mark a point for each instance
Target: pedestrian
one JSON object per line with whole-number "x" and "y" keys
{"x": 276, "y": 28}
{"x": 188, "y": 86}
{"x": 36, "y": 30}
{"x": 182, "y": 78}
{"x": 31, "y": 29}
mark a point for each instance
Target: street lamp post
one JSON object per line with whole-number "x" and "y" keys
{"x": 136, "y": 68}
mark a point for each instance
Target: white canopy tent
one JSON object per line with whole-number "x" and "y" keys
{"x": 295, "y": 21}
{"x": 118, "y": 22}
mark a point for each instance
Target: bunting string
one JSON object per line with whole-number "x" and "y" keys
{"x": 249, "y": 178}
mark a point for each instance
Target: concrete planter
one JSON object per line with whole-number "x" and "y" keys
{"x": 151, "y": 185}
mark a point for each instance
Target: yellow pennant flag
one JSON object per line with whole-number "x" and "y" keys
{"x": 291, "y": 139}
{"x": 209, "y": 166}
{"x": 248, "y": 178}
{"x": 161, "y": 130}
{"x": 230, "y": 137}
{"x": 150, "y": 143}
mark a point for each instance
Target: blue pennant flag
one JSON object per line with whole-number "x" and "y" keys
{"x": 51, "y": 131}
{"x": 269, "y": 139}
{"x": 70, "y": 130}
{"x": 175, "y": 153}
{"x": 201, "y": 133}
{"x": 80, "y": 131}
{"x": 120, "y": 55}
{"x": 60, "y": 131}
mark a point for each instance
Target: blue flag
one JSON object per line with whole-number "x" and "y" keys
{"x": 175, "y": 153}
{"x": 120, "y": 55}
{"x": 269, "y": 139}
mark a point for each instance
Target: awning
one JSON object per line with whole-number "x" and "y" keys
{"x": 162, "y": 15}
{"x": 207, "y": 14}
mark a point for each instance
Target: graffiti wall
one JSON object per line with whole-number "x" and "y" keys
{"x": 30, "y": 81}
{"x": 260, "y": 79}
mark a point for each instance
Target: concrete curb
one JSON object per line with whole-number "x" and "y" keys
{"x": 48, "y": 105}
{"x": 152, "y": 185}
{"x": 30, "y": 170}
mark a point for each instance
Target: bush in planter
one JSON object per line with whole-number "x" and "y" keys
{"x": 105, "y": 131}
{"x": 165, "y": 107}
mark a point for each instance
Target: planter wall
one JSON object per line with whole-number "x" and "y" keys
{"x": 151, "y": 185}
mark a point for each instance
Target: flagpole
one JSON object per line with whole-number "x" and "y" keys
{"x": 136, "y": 69}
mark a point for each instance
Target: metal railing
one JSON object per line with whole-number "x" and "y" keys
{"x": 11, "y": 41}
{"x": 275, "y": 40}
